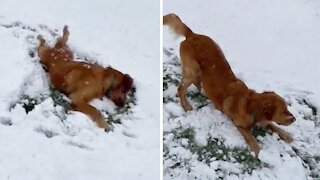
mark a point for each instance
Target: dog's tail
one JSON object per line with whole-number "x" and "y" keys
{"x": 175, "y": 23}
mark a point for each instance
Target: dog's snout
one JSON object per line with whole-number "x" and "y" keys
{"x": 290, "y": 119}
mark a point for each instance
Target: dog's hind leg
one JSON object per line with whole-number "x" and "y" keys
{"x": 42, "y": 48}
{"x": 41, "y": 41}
{"x": 197, "y": 83}
{"x": 188, "y": 78}
{"x": 62, "y": 41}
{"x": 190, "y": 75}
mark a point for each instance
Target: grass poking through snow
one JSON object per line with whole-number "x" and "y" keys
{"x": 181, "y": 146}
{"x": 59, "y": 99}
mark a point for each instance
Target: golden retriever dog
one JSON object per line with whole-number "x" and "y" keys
{"x": 204, "y": 64}
{"x": 81, "y": 81}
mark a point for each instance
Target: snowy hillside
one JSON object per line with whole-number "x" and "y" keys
{"x": 270, "y": 45}
{"x": 40, "y": 138}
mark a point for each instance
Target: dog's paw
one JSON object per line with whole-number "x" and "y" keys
{"x": 186, "y": 107}
{"x": 286, "y": 137}
{"x": 65, "y": 30}
{"x": 255, "y": 148}
{"x": 108, "y": 129}
{"x": 189, "y": 108}
{"x": 40, "y": 39}
{"x": 103, "y": 124}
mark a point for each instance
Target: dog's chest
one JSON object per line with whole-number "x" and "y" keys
{"x": 236, "y": 107}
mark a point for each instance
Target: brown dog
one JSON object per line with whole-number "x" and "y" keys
{"x": 81, "y": 81}
{"x": 203, "y": 62}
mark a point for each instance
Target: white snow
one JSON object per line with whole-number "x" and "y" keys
{"x": 39, "y": 145}
{"x": 270, "y": 45}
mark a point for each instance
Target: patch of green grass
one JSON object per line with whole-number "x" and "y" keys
{"x": 28, "y": 103}
{"x": 59, "y": 99}
{"x": 186, "y": 133}
{"x": 173, "y": 79}
{"x": 310, "y": 162}
{"x": 199, "y": 99}
{"x": 215, "y": 150}
{"x": 314, "y": 111}
{"x": 311, "y": 106}
{"x": 259, "y": 132}
{"x": 131, "y": 101}
{"x": 168, "y": 52}
{"x": 170, "y": 99}
{"x": 170, "y": 79}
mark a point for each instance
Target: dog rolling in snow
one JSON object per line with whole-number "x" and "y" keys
{"x": 81, "y": 81}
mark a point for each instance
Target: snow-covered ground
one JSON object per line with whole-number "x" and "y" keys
{"x": 271, "y": 45}
{"x": 47, "y": 143}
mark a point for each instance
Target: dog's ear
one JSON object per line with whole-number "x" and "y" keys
{"x": 127, "y": 83}
{"x": 268, "y": 110}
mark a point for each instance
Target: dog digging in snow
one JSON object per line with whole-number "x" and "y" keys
{"x": 81, "y": 81}
{"x": 204, "y": 65}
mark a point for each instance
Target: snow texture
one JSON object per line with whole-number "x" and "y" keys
{"x": 40, "y": 138}
{"x": 270, "y": 45}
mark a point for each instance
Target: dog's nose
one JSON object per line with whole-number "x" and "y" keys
{"x": 291, "y": 119}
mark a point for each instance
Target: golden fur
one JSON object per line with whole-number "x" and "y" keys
{"x": 82, "y": 81}
{"x": 204, "y": 64}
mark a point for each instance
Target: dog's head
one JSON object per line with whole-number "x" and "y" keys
{"x": 272, "y": 107}
{"x": 120, "y": 86}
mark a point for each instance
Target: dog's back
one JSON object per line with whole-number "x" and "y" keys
{"x": 216, "y": 74}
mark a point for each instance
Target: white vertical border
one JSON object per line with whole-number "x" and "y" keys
{"x": 161, "y": 90}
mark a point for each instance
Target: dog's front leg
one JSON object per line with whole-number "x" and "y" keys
{"x": 93, "y": 113}
{"x": 79, "y": 104}
{"x": 282, "y": 134}
{"x": 252, "y": 142}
